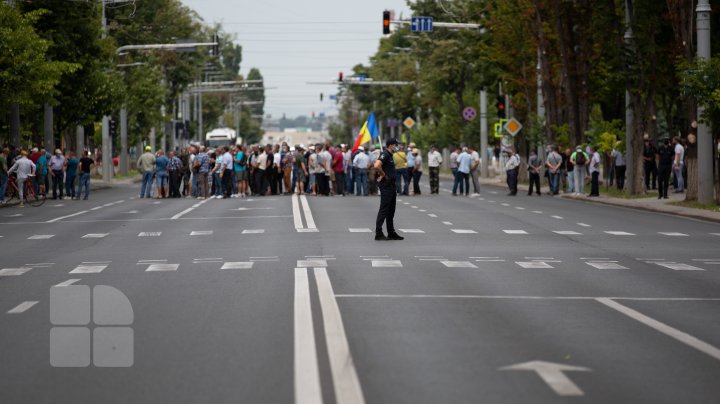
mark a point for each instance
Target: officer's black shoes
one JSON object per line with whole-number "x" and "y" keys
{"x": 380, "y": 237}
{"x": 395, "y": 236}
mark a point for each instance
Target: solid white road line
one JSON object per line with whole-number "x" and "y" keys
{"x": 501, "y": 297}
{"x": 296, "y": 212}
{"x": 186, "y": 211}
{"x": 57, "y": 219}
{"x": 307, "y": 375}
{"x": 342, "y": 368}
{"x": 308, "y": 214}
{"x": 683, "y": 337}
{"x": 22, "y": 307}
{"x": 67, "y": 282}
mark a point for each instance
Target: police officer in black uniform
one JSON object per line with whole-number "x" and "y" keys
{"x": 385, "y": 169}
{"x": 665, "y": 156}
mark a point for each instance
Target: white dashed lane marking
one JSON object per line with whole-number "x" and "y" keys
{"x": 67, "y": 282}
{"x": 253, "y": 231}
{"x": 447, "y": 223}
{"x": 201, "y": 233}
{"x": 584, "y": 225}
{"x": 557, "y": 217}
{"x": 464, "y": 231}
{"x": 150, "y": 234}
{"x": 13, "y": 271}
{"x": 432, "y": 215}
{"x": 619, "y": 233}
{"x": 162, "y": 267}
{"x": 605, "y": 265}
{"x": 412, "y": 230}
{"x": 515, "y": 232}
{"x": 674, "y": 234}
{"x": 458, "y": 264}
{"x": 567, "y": 232}
{"x": 386, "y": 264}
{"x": 41, "y": 237}
{"x": 534, "y": 265}
{"x": 95, "y": 235}
{"x": 311, "y": 263}
{"x": 359, "y": 230}
{"x": 88, "y": 269}
{"x": 678, "y": 267}
{"x": 238, "y": 265}
{"x": 22, "y": 307}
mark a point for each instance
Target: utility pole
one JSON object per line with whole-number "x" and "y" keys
{"x": 123, "y": 142}
{"x": 483, "y": 134}
{"x": 705, "y": 150}
{"x": 107, "y": 167}
{"x": 629, "y": 115}
{"x": 540, "y": 102}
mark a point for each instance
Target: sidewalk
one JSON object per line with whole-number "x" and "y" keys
{"x": 650, "y": 203}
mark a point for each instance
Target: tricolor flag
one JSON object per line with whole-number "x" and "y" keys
{"x": 369, "y": 132}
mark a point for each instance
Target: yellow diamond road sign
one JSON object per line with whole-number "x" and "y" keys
{"x": 409, "y": 122}
{"x": 513, "y": 126}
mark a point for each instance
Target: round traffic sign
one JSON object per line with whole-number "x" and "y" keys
{"x": 469, "y": 113}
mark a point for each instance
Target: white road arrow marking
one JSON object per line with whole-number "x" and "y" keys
{"x": 553, "y": 375}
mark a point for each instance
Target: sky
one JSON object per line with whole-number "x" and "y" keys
{"x": 293, "y": 42}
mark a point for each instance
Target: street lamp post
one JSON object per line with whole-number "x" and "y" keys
{"x": 704, "y": 138}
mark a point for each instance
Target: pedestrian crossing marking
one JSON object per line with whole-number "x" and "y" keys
{"x": 619, "y": 233}
{"x": 386, "y": 264}
{"x": 515, "y": 231}
{"x": 412, "y": 230}
{"x": 674, "y": 234}
{"x": 88, "y": 269}
{"x": 41, "y": 237}
{"x": 237, "y": 265}
{"x": 22, "y": 307}
{"x": 13, "y": 271}
{"x": 534, "y": 265}
{"x": 359, "y": 230}
{"x": 162, "y": 267}
{"x": 464, "y": 231}
{"x": 567, "y": 232}
{"x": 95, "y": 235}
{"x": 605, "y": 265}
{"x": 201, "y": 233}
{"x": 255, "y": 231}
{"x": 311, "y": 263}
{"x": 678, "y": 267}
{"x": 150, "y": 234}
{"x": 458, "y": 264}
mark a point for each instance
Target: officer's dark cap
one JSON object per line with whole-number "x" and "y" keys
{"x": 390, "y": 142}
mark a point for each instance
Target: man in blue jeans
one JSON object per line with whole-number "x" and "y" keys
{"x": 360, "y": 165}
{"x": 146, "y": 165}
{"x": 84, "y": 181}
{"x": 462, "y": 177}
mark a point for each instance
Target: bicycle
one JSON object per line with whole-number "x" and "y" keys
{"x": 30, "y": 197}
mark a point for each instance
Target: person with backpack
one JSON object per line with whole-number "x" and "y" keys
{"x": 579, "y": 159}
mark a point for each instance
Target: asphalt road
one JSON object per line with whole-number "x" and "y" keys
{"x": 490, "y": 299}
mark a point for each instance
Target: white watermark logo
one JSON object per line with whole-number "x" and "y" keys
{"x": 90, "y": 327}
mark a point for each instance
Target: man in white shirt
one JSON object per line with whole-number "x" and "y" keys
{"x": 594, "y": 170}
{"x": 678, "y": 164}
{"x": 434, "y": 161}
{"x": 512, "y": 168}
{"x": 475, "y": 169}
{"x": 24, "y": 168}
{"x": 260, "y": 167}
{"x": 360, "y": 164}
{"x": 226, "y": 172}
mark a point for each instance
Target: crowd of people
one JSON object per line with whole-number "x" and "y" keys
{"x": 241, "y": 171}
{"x": 58, "y": 172}
{"x": 568, "y": 170}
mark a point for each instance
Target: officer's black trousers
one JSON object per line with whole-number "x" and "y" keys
{"x": 663, "y": 179}
{"x": 388, "y": 195}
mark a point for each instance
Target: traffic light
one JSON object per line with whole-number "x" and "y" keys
{"x": 340, "y": 77}
{"x": 321, "y": 97}
{"x": 386, "y": 22}
{"x": 112, "y": 128}
{"x": 500, "y": 105}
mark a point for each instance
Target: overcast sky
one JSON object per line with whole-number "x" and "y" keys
{"x": 296, "y": 41}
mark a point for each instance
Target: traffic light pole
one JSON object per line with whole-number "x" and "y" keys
{"x": 483, "y": 134}
{"x": 705, "y": 150}
{"x": 123, "y": 142}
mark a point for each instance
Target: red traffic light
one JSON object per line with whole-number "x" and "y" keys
{"x": 386, "y": 22}
{"x": 340, "y": 76}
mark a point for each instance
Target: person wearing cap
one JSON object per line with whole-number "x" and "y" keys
{"x": 417, "y": 171}
{"x": 360, "y": 165}
{"x": 146, "y": 164}
{"x": 385, "y": 167}
{"x": 579, "y": 159}
{"x": 434, "y": 161}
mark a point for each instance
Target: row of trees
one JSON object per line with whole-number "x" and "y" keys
{"x": 55, "y": 54}
{"x": 577, "y": 53}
